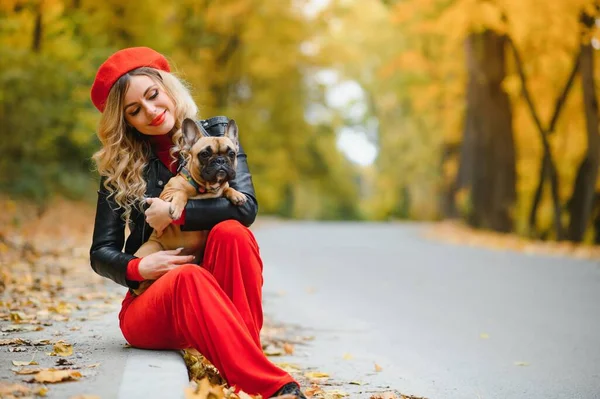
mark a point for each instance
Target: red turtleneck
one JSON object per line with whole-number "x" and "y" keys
{"x": 160, "y": 146}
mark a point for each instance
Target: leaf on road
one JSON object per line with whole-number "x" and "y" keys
{"x": 14, "y": 390}
{"x": 272, "y": 351}
{"x": 56, "y": 376}
{"x": 521, "y": 364}
{"x": 85, "y": 397}
{"x": 316, "y": 375}
{"x": 356, "y": 383}
{"x": 203, "y": 389}
{"x": 24, "y": 363}
{"x": 313, "y": 391}
{"x": 288, "y": 367}
{"x": 334, "y": 394}
{"x": 14, "y": 341}
{"x": 484, "y": 336}
{"x": 42, "y": 342}
{"x": 62, "y": 348}
{"x": 378, "y": 368}
{"x": 17, "y": 349}
{"x": 27, "y": 371}
{"x": 19, "y": 327}
{"x": 288, "y": 348}
{"x": 348, "y": 356}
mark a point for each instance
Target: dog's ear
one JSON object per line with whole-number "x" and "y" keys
{"x": 191, "y": 131}
{"x": 231, "y": 131}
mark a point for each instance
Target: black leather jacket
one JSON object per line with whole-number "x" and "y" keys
{"x": 106, "y": 254}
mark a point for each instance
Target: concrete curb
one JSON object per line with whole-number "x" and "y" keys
{"x": 153, "y": 374}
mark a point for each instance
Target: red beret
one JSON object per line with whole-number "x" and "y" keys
{"x": 119, "y": 64}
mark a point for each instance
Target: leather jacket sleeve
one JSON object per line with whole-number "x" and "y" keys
{"x": 106, "y": 253}
{"x": 203, "y": 214}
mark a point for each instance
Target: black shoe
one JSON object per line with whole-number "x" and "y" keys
{"x": 291, "y": 388}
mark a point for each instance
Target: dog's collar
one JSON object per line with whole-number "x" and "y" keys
{"x": 188, "y": 176}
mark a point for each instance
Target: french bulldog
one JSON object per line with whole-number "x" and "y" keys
{"x": 208, "y": 168}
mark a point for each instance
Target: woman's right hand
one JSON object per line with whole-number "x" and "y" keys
{"x": 155, "y": 265}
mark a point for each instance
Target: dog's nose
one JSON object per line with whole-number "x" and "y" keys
{"x": 220, "y": 161}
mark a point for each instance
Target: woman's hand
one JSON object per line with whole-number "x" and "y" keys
{"x": 155, "y": 265}
{"x": 158, "y": 214}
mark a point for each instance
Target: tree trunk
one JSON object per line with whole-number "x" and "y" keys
{"x": 36, "y": 44}
{"x": 488, "y": 154}
{"x": 547, "y": 167}
{"x": 447, "y": 202}
{"x": 584, "y": 191}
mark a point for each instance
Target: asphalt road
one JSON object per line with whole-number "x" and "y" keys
{"x": 442, "y": 321}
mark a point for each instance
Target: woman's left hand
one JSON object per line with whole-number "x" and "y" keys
{"x": 158, "y": 214}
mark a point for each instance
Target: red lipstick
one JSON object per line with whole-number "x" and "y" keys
{"x": 159, "y": 119}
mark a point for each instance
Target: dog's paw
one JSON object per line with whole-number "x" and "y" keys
{"x": 237, "y": 198}
{"x": 177, "y": 210}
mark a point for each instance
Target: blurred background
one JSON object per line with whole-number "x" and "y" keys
{"x": 480, "y": 111}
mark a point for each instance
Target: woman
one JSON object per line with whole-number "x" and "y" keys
{"x": 215, "y": 308}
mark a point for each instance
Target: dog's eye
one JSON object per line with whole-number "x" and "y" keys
{"x": 231, "y": 154}
{"x": 204, "y": 154}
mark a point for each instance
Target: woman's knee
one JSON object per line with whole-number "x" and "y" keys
{"x": 187, "y": 272}
{"x": 229, "y": 229}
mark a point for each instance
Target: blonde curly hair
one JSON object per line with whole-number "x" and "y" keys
{"x": 124, "y": 154}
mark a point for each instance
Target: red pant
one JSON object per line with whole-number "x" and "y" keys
{"x": 216, "y": 309}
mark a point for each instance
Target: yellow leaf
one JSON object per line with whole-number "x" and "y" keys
{"x": 204, "y": 390}
{"x": 54, "y": 376}
{"x": 378, "y": 368}
{"x": 289, "y": 367}
{"x": 334, "y": 394}
{"x": 316, "y": 375}
{"x": 62, "y": 348}
{"x": 348, "y": 356}
{"x": 484, "y": 336}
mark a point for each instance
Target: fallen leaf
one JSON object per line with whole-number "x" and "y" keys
{"x": 85, "y": 397}
{"x": 385, "y": 395}
{"x": 289, "y": 367}
{"x": 316, "y": 375}
{"x": 41, "y": 391}
{"x": 42, "y": 342}
{"x": 63, "y": 362}
{"x": 356, "y": 383}
{"x": 27, "y": 371}
{"x": 54, "y": 376}
{"x": 313, "y": 391}
{"x": 15, "y": 390}
{"x": 521, "y": 364}
{"x": 334, "y": 394}
{"x": 378, "y": 368}
{"x": 204, "y": 390}
{"x": 24, "y": 363}
{"x": 483, "y": 336}
{"x": 348, "y": 356}
{"x": 17, "y": 349}
{"x": 288, "y": 348}
{"x": 62, "y": 348}
{"x": 272, "y": 351}
{"x": 14, "y": 341}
